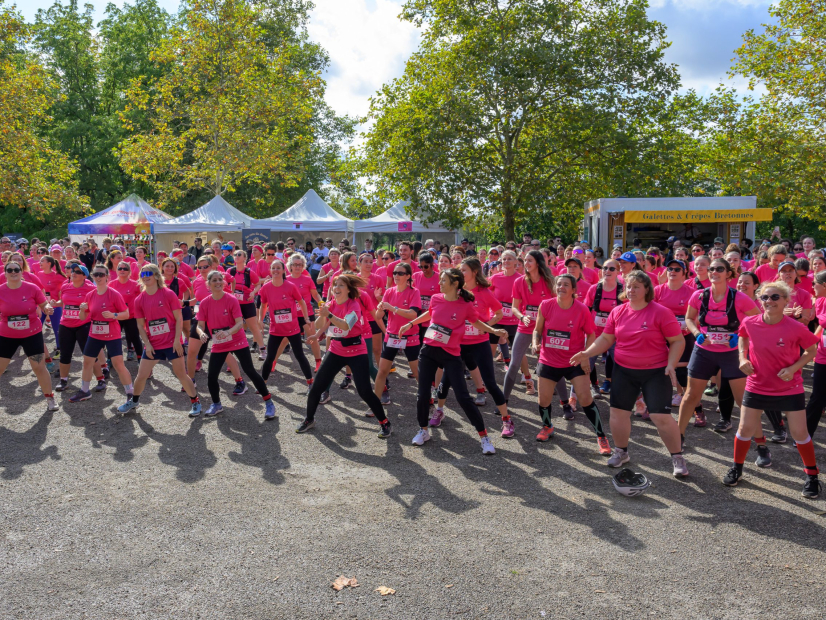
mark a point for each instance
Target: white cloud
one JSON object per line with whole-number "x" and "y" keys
{"x": 706, "y": 5}
{"x": 368, "y": 46}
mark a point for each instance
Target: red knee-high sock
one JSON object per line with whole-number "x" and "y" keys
{"x": 807, "y": 453}
{"x": 741, "y": 448}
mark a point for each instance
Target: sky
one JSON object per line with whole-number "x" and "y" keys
{"x": 368, "y": 44}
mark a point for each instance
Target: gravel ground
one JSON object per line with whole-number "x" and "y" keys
{"x": 154, "y": 515}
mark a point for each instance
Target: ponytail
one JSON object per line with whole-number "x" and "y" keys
{"x": 466, "y": 295}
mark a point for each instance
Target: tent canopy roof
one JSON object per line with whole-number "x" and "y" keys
{"x": 215, "y": 216}
{"x": 309, "y": 213}
{"x": 120, "y": 218}
{"x": 388, "y": 222}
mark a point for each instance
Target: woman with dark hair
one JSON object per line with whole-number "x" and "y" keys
{"x": 817, "y": 401}
{"x": 53, "y": 279}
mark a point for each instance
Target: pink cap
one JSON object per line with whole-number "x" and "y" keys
{"x": 56, "y": 248}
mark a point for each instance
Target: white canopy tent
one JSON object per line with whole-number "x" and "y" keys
{"x": 215, "y": 217}
{"x": 307, "y": 219}
{"x": 397, "y": 220}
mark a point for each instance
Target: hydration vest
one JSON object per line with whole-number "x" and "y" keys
{"x": 731, "y": 311}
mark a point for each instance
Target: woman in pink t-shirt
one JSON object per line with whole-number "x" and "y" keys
{"x": 769, "y": 354}
{"x": 700, "y": 268}
{"x": 52, "y": 278}
{"x": 501, "y": 285}
{"x": 817, "y": 401}
{"x": 603, "y": 297}
{"x": 21, "y": 304}
{"x": 649, "y": 344}
{"x": 327, "y": 270}
{"x": 105, "y": 307}
{"x": 564, "y": 326}
{"x": 675, "y": 295}
{"x": 375, "y": 287}
{"x": 799, "y": 307}
{"x": 309, "y": 292}
{"x": 129, "y": 290}
{"x": 450, "y": 311}
{"x": 341, "y": 319}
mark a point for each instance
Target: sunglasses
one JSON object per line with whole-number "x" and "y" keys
{"x": 718, "y": 269}
{"x": 698, "y": 251}
{"x": 13, "y": 270}
{"x": 41, "y": 251}
{"x": 99, "y": 274}
{"x": 399, "y": 273}
{"x": 493, "y": 253}
{"x": 772, "y": 297}
{"x": 147, "y": 274}
{"x": 76, "y": 271}
{"x": 675, "y": 269}
{"x": 203, "y": 266}
{"x": 798, "y": 249}
{"x": 124, "y": 269}
{"x": 609, "y": 268}
{"x": 290, "y": 243}
{"x": 385, "y": 258}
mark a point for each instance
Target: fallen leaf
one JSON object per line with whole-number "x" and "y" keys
{"x": 276, "y": 578}
{"x": 344, "y": 582}
{"x": 339, "y": 603}
{"x": 384, "y": 590}
{"x": 600, "y": 591}
{"x": 820, "y": 512}
{"x": 449, "y": 586}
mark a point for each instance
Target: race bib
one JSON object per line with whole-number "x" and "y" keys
{"x": 532, "y": 312}
{"x": 507, "y": 309}
{"x": 718, "y": 337}
{"x": 556, "y": 339}
{"x": 425, "y": 302}
{"x": 71, "y": 312}
{"x": 158, "y": 327}
{"x": 601, "y": 319}
{"x": 438, "y": 333}
{"x": 336, "y": 332}
{"x": 221, "y": 335}
{"x": 100, "y": 328}
{"x": 283, "y": 316}
{"x": 19, "y": 321}
{"x": 239, "y": 295}
{"x": 681, "y": 321}
{"x": 471, "y": 330}
{"x": 394, "y": 341}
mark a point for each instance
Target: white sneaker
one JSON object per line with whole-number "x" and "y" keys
{"x": 618, "y": 458}
{"x": 595, "y": 392}
{"x": 422, "y": 436}
{"x": 524, "y": 380}
{"x": 678, "y": 398}
{"x": 51, "y": 405}
{"x": 487, "y": 446}
{"x": 680, "y": 469}
{"x": 479, "y": 401}
{"x": 262, "y": 353}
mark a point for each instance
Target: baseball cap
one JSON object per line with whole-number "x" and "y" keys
{"x": 677, "y": 262}
{"x": 227, "y": 247}
{"x": 718, "y": 240}
{"x": 574, "y": 260}
{"x": 465, "y": 241}
{"x": 671, "y": 239}
{"x": 785, "y": 263}
{"x": 56, "y": 248}
{"x": 628, "y": 257}
{"x": 82, "y": 268}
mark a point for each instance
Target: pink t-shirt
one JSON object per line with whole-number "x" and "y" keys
{"x": 389, "y": 273}
{"x": 447, "y": 322}
{"x": 486, "y": 306}
{"x": 772, "y": 348}
{"x": 72, "y": 297}
{"x": 717, "y": 339}
{"x": 805, "y": 283}
{"x": 111, "y": 300}
{"x": 407, "y": 299}
{"x": 282, "y": 302}
{"x": 186, "y": 271}
{"x": 820, "y": 314}
{"x": 136, "y": 269}
{"x": 766, "y": 273}
{"x": 52, "y": 283}
{"x": 427, "y": 288}
{"x": 530, "y": 301}
{"x": 157, "y": 312}
{"x": 372, "y": 283}
{"x": 582, "y": 288}
{"x": 357, "y": 331}
{"x": 590, "y": 275}
{"x": 607, "y": 303}
{"x": 800, "y": 298}
{"x": 240, "y": 290}
{"x": 692, "y": 283}
{"x": 676, "y": 301}
{"x": 565, "y": 332}
{"x": 183, "y": 286}
{"x": 200, "y": 290}
{"x": 305, "y": 285}
{"x": 641, "y": 335}
{"x": 221, "y": 315}
{"x": 129, "y": 292}
{"x": 19, "y": 312}
{"x": 28, "y": 276}
{"x": 501, "y": 286}
{"x": 326, "y": 269}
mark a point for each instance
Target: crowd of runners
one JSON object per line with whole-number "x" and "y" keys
{"x": 668, "y": 324}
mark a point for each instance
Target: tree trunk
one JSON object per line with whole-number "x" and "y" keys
{"x": 508, "y": 223}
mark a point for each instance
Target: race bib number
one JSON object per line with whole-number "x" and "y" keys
{"x": 681, "y": 321}
{"x": 471, "y": 330}
{"x": 239, "y": 295}
{"x": 19, "y": 321}
{"x": 158, "y": 327}
{"x": 507, "y": 309}
{"x": 715, "y": 337}
{"x": 425, "y": 302}
{"x": 438, "y": 333}
{"x": 221, "y": 335}
{"x": 601, "y": 319}
{"x": 283, "y": 316}
{"x": 336, "y": 332}
{"x": 71, "y": 312}
{"x": 395, "y": 342}
{"x": 100, "y": 328}
{"x": 555, "y": 339}
{"x": 532, "y": 312}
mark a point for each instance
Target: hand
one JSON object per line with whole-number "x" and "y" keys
{"x": 578, "y": 358}
{"x": 526, "y": 321}
{"x": 323, "y": 311}
{"x": 178, "y": 348}
{"x": 535, "y": 348}
{"x": 148, "y": 351}
{"x": 733, "y": 340}
{"x": 669, "y": 371}
{"x": 786, "y": 374}
{"x": 500, "y": 332}
{"x": 48, "y": 310}
{"x": 384, "y": 306}
{"x": 701, "y": 338}
{"x": 203, "y": 336}
{"x": 378, "y": 293}
{"x": 107, "y": 315}
{"x": 746, "y": 368}
{"x": 403, "y": 329}
{"x": 789, "y": 311}
{"x": 586, "y": 365}
{"x": 84, "y": 306}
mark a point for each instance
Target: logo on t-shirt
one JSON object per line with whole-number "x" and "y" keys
{"x": 780, "y": 343}
{"x": 570, "y": 324}
{"x": 453, "y": 318}
{"x": 644, "y": 325}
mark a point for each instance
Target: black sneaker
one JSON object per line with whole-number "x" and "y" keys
{"x": 733, "y": 476}
{"x": 79, "y": 396}
{"x": 62, "y": 385}
{"x": 567, "y": 412}
{"x": 106, "y": 372}
{"x": 467, "y": 375}
{"x": 780, "y": 436}
{"x": 764, "y": 457}
{"x": 325, "y": 398}
{"x": 305, "y": 426}
{"x": 723, "y": 426}
{"x": 101, "y": 386}
{"x": 385, "y": 431}
{"x": 346, "y": 383}
{"x": 811, "y": 488}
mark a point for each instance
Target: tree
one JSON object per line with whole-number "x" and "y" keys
{"x": 509, "y": 105}
{"x": 227, "y": 110}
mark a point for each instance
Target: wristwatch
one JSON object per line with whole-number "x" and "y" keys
{"x": 116, "y": 315}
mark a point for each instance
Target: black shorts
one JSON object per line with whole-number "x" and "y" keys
{"x": 705, "y": 364}
{"x": 689, "y": 347}
{"x": 94, "y": 346}
{"x": 161, "y": 355}
{"x": 186, "y": 313}
{"x": 790, "y": 402}
{"x": 32, "y": 345}
{"x": 410, "y": 352}
{"x": 511, "y": 329}
{"x": 248, "y": 311}
{"x": 555, "y": 374}
{"x": 374, "y": 328}
{"x": 655, "y": 385}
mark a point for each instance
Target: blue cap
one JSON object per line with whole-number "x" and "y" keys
{"x": 227, "y": 247}
{"x": 82, "y": 268}
{"x": 678, "y": 262}
{"x": 629, "y": 257}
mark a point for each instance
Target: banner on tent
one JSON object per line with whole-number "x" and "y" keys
{"x": 252, "y": 236}
{"x": 143, "y": 229}
{"x": 297, "y": 225}
{"x": 405, "y": 226}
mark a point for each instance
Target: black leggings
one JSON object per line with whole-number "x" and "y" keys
{"x": 129, "y": 327}
{"x": 330, "y": 367}
{"x": 430, "y": 360}
{"x": 69, "y": 336}
{"x": 814, "y": 410}
{"x": 298, "y": 351}
{"x": 244, "y": 357}
{"x": 478, "y": 356}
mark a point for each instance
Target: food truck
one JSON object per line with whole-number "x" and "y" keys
{"x": 613, "y": 222}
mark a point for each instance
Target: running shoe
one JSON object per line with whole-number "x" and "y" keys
{"x": 604, "y": 446}
{"x": 467, "y": 375}
{"x": 676, "y": 400}
{"x": 545, "y": 434}
{"x": 487, "y": 446}
{"x": 393, "y": 368}
{"x": 618, "y": 458}
{"x": 595, "y": 393}
{"x": 130, "y": 355}
{"x": 422, "y": 436}
{"x": 605, "y": 388}
{"x": 346, "y": 383}
{"x": 499, "y": 358}
{"x": 195, "y": 410}
{"x": 524, "y": 381}
{"x": 567, "y": 411}
{"x": 436, "y": 418}
{"x": 711, "y": 390}
{"x": 479, "y": 401}
{"x": 106, "y": 372}
{"x": 812, "y": 487}
{"x": 723, "y": 426}
{"x": 101, "y": 386}
{"x": 269, "y": 410}
{"x": 385, "y": 397}
{"x": 733, "y": 476}
{"x": 572, "y": 400}
{"x": 680, "y": 469}
{"x": 764, "y": 457}
{"x": 254, "y": 346}
{"x": 198, "y": 366}
{"x": 214, "y": 409}
{"x": 700, "y": 419}
{"x": 240, "y": 388}
{"x": 62, "y": 385}
{"x": 325, "y": 398}
{"x": 507, "y": 428}
{"x": 779, "y": 436}
{"x": 128, "y": 406}
{"x": 51, "y": 366}
{"x": 639, "y": 408}
{"x": 79, "y": 396}
{"x": 262, "y": 354}
{"x": 51, "y": 405}
{"x": 305, "y": 426}
{"x": 434, "y": 394}
{"x": 409, "y": 374}
{"x": 385, "y": 430}
{"x": 530, "y": 388}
